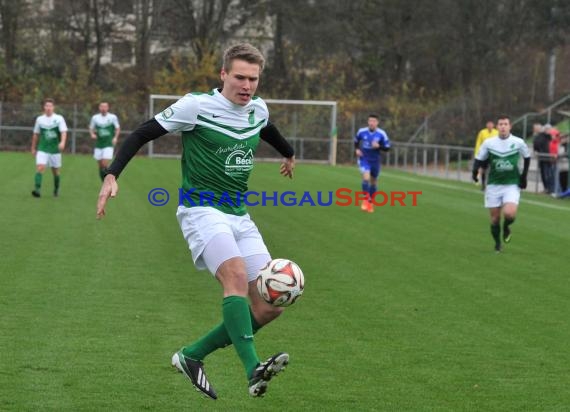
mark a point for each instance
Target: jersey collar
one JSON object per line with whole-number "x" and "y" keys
{"x": 229, "y": 104}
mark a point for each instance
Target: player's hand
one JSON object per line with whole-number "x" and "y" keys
{"x": 375, "y": 145}
{"x": 522, "y": 182}
{"x": 114, "y": 141}
{"x": 93, "y": 136}
{"x": 287, "y": 167}
{"x": 358, "y": 153}
{"x": 475, "y": 176}
{"x": 61, "y": 147}
{"x": 108, "y": 189}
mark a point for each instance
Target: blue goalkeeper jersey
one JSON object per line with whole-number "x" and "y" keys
{"x": 364, "y": 138}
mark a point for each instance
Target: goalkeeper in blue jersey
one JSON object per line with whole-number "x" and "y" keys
{"x": 368, "y": 143}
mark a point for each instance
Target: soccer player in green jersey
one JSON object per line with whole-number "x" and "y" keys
{"x": 104, "y": 128}
{"x": 48, "y": 141}
{"x": 501, "y": 154}
{"x": 220, "y": 133}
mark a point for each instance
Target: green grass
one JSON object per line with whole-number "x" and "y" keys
{"x": 404, "y": 309}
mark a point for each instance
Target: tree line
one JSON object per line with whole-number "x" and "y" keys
{"x": 404, "y": 59}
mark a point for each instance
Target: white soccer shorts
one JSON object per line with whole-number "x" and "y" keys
{"x": 214, "y": 237}
{"x": 103, "y": 153}
{"x": 498, "y": 195}
{"x": 48, "y": 159}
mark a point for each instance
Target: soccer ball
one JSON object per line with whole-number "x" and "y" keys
{"x": 281, "y": 282}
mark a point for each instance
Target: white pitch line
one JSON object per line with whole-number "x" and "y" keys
{"x": 462, "y": 189}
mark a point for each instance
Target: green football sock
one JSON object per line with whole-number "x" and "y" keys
{"x": 38, "y": 181}
{"x": 102, "y": 173}
{"x": 56, "y": 179}
{"x": 496, "y": 232}
{"x": 238, "y": 325}
{"x": 217, "y": 338}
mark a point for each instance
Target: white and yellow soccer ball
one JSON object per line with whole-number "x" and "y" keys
{"x": 281, "y": 282}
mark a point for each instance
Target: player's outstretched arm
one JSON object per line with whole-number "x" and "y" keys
{"x": 146, "y": 132}
{"x": 287, "y": 167}
{"x": 110, "y": 188}
{"x": 271, "y": 135}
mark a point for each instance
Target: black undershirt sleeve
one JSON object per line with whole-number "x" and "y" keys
{"x": 526, "y": 165}
{"x": 146, "y": 132}
{"x": 271, "y": 135}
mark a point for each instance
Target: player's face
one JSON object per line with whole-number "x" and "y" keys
{"x": 504, "y": 126}
{"x": 48, "y": 108}
{"x": 104, "y": 108}
{"x": 240, "y": 82}
{"x": 372, "y": 123}
{"x": 490, "y": 125}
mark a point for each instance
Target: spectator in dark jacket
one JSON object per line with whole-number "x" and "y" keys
{"x": 541, "y": 146}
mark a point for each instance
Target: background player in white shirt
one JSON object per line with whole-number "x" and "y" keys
{"x": 104, "y": 128}
{"x": 48, "y": 141}
{"x": 502, "y": 153}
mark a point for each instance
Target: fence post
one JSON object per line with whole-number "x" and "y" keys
{"x": 556, "y": 179}
{"x": 73, "y": 131}
{"x": 415, "y": 159}
{"x": 396, "y": 157}
{"x": 425, "y": 160}
{"x": 435, "y": 160}
{"x": 537, "y": 175}
{"x": 459, "y": 165}
{"x": 447, "y": 162}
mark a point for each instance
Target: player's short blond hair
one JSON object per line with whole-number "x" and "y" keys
{"x": 243, "y": 51}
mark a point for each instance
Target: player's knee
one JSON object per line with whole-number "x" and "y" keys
{"x": 511, "y": 214}
{"x": 233, "y": 280}
{"x": 265, "y": 313}
{"x": 40, "y": 168}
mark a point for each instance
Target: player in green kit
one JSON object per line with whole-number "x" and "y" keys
{"x": 104, "y": 128}
{"x": 48, "y": 141}
{"x": 501, "y": 154}
{"x": 220, "y": 133}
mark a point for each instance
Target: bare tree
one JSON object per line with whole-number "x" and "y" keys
{"x": 203, "y": 25}
{"x": 11, "y": 13}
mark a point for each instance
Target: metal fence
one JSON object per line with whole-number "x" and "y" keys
{"x": 443, "y": 161}
{"x": 456, "y": 163}
{"x": 17, "y": 122}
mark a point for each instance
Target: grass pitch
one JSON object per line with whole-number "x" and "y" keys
{"x": 404, "y": 309}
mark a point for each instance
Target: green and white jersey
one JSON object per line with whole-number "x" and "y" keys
{"x": 105, "y": 128}
{"x": 503, "y": 155}
{"x": 219, "y": 139}
{"x": 49, "y": 128}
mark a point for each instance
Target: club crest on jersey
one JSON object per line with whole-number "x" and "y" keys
{"x": 167, "y": 113}
{"x": 239, "y": 162}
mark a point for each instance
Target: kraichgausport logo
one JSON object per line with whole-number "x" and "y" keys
{"x": 340, "y": 197}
